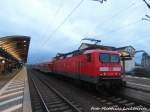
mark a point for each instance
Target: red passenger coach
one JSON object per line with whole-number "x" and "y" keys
{"x": 45, "y": 67}
{"x": 101, "y": 67}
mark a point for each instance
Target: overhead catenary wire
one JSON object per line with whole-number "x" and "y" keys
{"x": 58, "y": 9}
{"x": 44, "y": 42}
{"x": 63, "y": 22}
{"x": 54, "y": 31}
{"x": 148, "y": 5}
{"x": 132, "y": 4}
{"x": 120, "y": 28}
{"x": 116, "y": 15}
{"x": 53, "y": 19}
{"x": 147, "y": 16}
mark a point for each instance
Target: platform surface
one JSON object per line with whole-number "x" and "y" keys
{"x": 15, "y": 96}
{"x": 4, "y": 78}
{"x": 141, "y": 83}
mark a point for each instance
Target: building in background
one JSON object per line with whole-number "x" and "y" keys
{"x": 129, "y": 64}
{"x": 145, "y": 60}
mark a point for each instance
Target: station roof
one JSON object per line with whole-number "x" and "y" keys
{"x": 15, "y": 47}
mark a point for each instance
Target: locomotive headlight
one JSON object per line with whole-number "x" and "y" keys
{"x": 102, "y": 69}
{"x": 116, "y": 68}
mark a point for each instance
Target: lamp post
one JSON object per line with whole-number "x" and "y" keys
{"x": 3, "y": 61}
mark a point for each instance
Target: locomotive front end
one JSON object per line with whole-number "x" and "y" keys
{"x": 110, "y": 70}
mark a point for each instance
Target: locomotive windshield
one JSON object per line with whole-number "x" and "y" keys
{"x": 104, "y": 57}
{"x": 115, "y": 58}
{"x": 107, "y": 57}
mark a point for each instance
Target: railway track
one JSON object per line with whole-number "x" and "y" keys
{"x": 48, "y": 99}
{"x": 116, "y": 101}
{"x": 36, "y": 101}
{"x": 122, "y": 102}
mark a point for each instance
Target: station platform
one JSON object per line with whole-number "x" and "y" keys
{"x": 4, "y": 78}
{"x": 15, "y": 95}
{"x": 142, "y": 83}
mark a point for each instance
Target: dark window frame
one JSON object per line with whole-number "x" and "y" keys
{"x": 114, "y": 55}
{"x": 110, "y": 58}
{"x": 88, "y": 57}
{"x": 100, "y": 57}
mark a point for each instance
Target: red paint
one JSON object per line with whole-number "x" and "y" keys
{"x": 77, "y": 64}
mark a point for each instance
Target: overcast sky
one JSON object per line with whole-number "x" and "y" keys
{"x": 116, "y": 22}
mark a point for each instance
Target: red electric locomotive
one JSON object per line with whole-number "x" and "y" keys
{"x": 99, "y": 67}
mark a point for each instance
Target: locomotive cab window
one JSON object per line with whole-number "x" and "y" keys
{"x": 88, "y": 57}
{"x": 112, "y": 58}
{"x": 104, "y": 57}
{"x": 115, "y": 58}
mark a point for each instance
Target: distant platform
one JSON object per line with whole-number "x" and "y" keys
{"x": 15, "y": 96}
{"x": 141, "y": 83}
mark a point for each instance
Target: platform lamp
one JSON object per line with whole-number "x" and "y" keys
{"x": 3, "y": 61}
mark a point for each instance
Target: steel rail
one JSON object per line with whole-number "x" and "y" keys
{"x": 60, "y": 95}
{"x": 43, "y": 102}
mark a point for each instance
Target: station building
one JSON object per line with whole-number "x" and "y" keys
{"x": 129, "y": 63}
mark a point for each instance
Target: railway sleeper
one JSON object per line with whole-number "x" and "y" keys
{"x": 60, "y": 109}
{"x": 123, "y": 101}
{"x": 57, "y": 105}
{"x": 130, "y": 104}
{"x": 56, "y": 102}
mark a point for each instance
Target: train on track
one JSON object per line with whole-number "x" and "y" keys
{"x": 96, "y": 66}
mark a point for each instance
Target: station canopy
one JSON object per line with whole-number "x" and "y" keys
{"x": 14, "y": 48}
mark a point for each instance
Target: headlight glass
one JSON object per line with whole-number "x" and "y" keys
{"x": 116, "y": 68}
{"x": 103, "y": 69}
